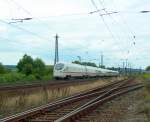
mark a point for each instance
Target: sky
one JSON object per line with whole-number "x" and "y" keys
{"x": 118, "y": 36}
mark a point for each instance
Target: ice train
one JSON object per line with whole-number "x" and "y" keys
{"x": 68, "y": 70}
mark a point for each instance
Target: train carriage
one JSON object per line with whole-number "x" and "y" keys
{"x": 67, "y": 70}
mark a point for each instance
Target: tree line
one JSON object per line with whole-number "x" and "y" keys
{"x": 29, "y": 69}
{"x": 148, "y": 68}
{"x": 88, "y": 64}
{"x": 28, "y": 65}
{"x": 26, "y": 70}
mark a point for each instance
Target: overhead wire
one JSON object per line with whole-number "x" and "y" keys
{"x": 61, "y": 15}
{"x": 20, "y": 28}
{"x": 106, "y": 25}
{"x": 101, "y": 3}
{"x": 103, "y": 20}
{"x": 30, "y": 14}
{"x": 23, "y": 29}
{"x": 124, "y": 21}
{"x": 38, "y": 18}
{"x": 107, "y": 13}
{"x": 25, "y": 10}
{"x": 121, "y": 49}
{"x": 127, "y": 27}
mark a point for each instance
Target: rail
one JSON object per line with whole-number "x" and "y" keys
{"x": 101, "y": 93}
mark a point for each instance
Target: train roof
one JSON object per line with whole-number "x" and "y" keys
{"x": 89, "y": 67}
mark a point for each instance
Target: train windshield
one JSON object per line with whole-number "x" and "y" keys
{"x": 59, "y": 66}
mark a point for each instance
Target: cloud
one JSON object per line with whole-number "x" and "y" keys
{"x": 13, "y": 56}
{"x": 78, "y": 33}
{"x": 3, "y": 29}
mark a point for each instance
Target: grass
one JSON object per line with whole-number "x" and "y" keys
{"x": 14, "y": 102}
{"x": 146, "y": 106}
{"x": 14, "y": 78}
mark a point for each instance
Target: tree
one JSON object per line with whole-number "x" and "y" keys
{"x": 29, "y": 66}
{"x": 25, "y": 65}
{"x": 39, "y": 68}
{"x": 148, "y": 68}
{"x": 85, "y": 63}
{"x": 89, "y": 64}
{"x": 102, "y": 66}
{"x": 111, "y": 68}
{"x": 2, "y": 69}
{"x": 76, "y": 62}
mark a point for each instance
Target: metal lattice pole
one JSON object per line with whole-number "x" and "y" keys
{"x": 56, "y": 50}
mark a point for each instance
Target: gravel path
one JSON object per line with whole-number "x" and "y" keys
{"x": 122, "y": 109}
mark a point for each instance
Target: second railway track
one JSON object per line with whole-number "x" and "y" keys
{"x": 75, "y": 107}
{"x": 52, "y": 83}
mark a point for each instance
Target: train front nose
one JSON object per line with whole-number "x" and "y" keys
{"x": 58, "y": 70}
{"x": 58, "y": 74}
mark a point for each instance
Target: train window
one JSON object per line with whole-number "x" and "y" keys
{"x": 59, "y": 66}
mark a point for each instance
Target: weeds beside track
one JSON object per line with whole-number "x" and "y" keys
{"x": 75, "y": 107}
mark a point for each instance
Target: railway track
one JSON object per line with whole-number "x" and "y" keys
{"x": 74, "y": 108}
{"x": 52, "y": 83}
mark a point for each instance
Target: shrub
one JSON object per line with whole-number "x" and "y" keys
{"x": 11, "y": 78}
{"x": 29, "y": 66}
{"x": 49, "y": 70}
{"x": 39, "y": 68}
{"x": 29, "y": 78}
{"x": 148, "y": 68}
{"x": 47, "y": 77}
{"x": 2, "y": 69}
{"x": 25, "y": 65}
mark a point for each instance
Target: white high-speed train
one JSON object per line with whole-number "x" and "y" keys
{"x": 68, "y": 70}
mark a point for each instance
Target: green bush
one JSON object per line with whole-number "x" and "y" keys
{"x": 29, "y": 78}
{"x": 19, "y": 78}
{"x": 2, "y": 69}
{"x": 29, "y": 71}
{"x": 48, "y": 77}
{"x": 25, "y": 65}
{"x": 148, "y": 68}
{"x": 16, "y": 78}
{"x": 49, "y": 70}
{"x": 39, "y": 68}
{"x": 11, "y": 78}
{"x": 29, "y": 66}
